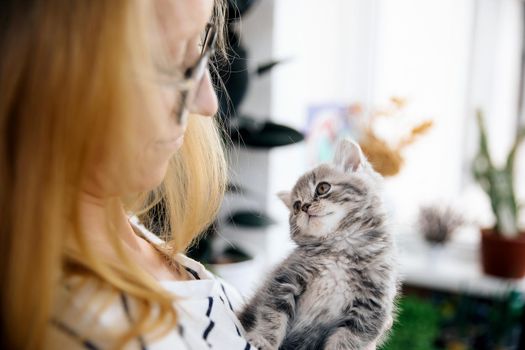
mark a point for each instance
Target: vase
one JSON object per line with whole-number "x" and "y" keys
{"x": 502, "y": 256}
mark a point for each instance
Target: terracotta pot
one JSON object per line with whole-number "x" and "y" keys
{"x": 502, "y": 257}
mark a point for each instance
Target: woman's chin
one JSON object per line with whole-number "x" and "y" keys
{"x": 153, "y": 172}
{"x": 151, "y": 178}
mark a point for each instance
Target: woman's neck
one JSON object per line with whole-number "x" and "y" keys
{"x": 94, "y": 220}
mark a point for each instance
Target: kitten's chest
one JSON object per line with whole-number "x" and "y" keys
{"x": 334, "y": 283}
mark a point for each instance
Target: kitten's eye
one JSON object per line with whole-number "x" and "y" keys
{"x": 296, "y": 207}
{"x": 322, "y": 188}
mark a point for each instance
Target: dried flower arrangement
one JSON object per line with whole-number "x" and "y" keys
{"x": 437, "y": 223}
{"x": 387, "y": 156}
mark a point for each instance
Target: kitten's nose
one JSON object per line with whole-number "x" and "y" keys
{"x": 305, "y": 207}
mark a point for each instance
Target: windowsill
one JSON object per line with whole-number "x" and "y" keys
{"x": 454, "y": 267}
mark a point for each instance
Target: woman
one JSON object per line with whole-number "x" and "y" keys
{"x": 94, "y": 111}
{"x": 103, "y": 109}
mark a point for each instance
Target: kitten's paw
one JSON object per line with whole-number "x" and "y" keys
{"x": 259, "y": 342}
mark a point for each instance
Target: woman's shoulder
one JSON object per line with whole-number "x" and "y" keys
{"x": 90, "y": 314}
{"x": 196, "y": 269}
{"x": 93, "y": 315}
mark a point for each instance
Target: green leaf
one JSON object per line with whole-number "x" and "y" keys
{"x": 512, "y": 154}
{"x": 483, "y": 143}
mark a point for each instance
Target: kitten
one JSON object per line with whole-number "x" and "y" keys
{"x": 336, "y": 290}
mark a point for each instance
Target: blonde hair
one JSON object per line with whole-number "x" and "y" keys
{"x": 65, "y": 94}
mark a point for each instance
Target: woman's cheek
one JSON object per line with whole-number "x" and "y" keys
{"x": 157, "y": 120}
{"x": 156, "y": 138}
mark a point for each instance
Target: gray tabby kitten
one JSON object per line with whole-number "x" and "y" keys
{"x": 336, "y": 290}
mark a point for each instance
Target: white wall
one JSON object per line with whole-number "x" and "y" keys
{"x": 447, "y": 57}
{"x": 423, "y": 54}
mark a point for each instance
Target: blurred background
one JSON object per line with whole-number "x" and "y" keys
{"x": 433, "y": 91}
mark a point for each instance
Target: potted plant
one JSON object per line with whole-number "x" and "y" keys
{"x": 502, "y": 246}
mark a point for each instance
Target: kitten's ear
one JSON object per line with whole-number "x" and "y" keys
{"x": 348, "y": 155}
{"x": 286, "y": 197}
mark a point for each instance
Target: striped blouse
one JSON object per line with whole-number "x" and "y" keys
{"x": 205, "y": 307}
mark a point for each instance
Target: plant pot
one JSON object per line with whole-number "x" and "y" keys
{"x": 501, "y": 256}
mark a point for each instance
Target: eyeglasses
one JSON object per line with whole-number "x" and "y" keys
{"x": 189, "y": 85}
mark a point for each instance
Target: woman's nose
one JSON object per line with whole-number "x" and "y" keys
{"x": 305, "y": 207}
{"x": 205, "y": 102}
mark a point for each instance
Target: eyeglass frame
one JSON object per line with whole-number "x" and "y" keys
{"x": 190, "y": 84}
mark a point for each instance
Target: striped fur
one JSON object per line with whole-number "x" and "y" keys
{"x": 336, "y": 290}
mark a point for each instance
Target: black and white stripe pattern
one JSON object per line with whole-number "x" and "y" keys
{"x": 211, "y": 324}
{"x": 206, "y": 318}
{"x": 70, "y": 332}
{"x": 126, "y": 307}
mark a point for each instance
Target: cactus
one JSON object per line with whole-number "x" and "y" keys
{"x": 498, "y": 182}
